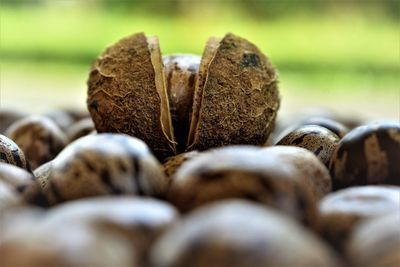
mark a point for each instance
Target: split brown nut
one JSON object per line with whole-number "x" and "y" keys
{"x": 231, "y": 99}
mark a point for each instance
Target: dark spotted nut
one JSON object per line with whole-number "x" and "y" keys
{"x": 141, "y": 220}
{"x": 342, "y": 211}
{"x": 319, "y": 140}
{"x": 311, "y": 170}
{"x": 369, "y": 154}
{"x": 39, "y": 137}
{"x": 376, "y": 243}
{"x": 239, "y": 234}
{"x": 18, "y": 187}
{"x": 104, "y": 164}
{"x": 242, "y": 172}
{"x": 11, "y": 153}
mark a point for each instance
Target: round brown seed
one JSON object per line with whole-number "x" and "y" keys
{"x": 368, "y": 154}
{"x": 11, "y": 153}
{"x": 319, "y": 140}
{"x": 39, "y": 137}
{"x": 239, "y": 234}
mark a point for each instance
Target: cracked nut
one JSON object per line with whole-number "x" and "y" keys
{"x": 182, "y": 102}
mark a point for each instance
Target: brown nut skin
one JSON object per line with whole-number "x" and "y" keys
{"x": 334, "y": 126}
{"x": 104, "y": 164}
{"x": 235, "y": 95}
{"x": 369, "y": 154}
{"x": 172, "y": 164}
{"x": 18, "y": 187}
{"x": 39, "y": 137}
{"x": 239, "y": 234}
{"x": 376, "y": 243}
{"x": 242, "y": 172}
{"x": 180, "y": 74}
{"x": 72, "y": 245}
{"x": 141, "y": 220}
{"x": 12, "y": 154}
{"x": 342, "y": 211}
{"x": 311, "y": 170}
{"x": 319, "y": 140}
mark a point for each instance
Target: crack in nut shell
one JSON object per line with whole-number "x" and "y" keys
{"x": 235, "y": 97}
{"x": 369, "y": 154}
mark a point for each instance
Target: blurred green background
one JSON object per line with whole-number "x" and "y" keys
{"x": 343, "y": 55}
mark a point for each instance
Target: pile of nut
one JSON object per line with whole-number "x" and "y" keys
{"x": 179, "y": 163}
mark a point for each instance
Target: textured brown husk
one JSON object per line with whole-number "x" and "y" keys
{"x": 239, "y": 100}
{"x": 126, "y": 93}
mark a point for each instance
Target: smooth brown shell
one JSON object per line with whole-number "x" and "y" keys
{"x": 39, "y": 137}
{"x": 342, "y": 211}
{"x": 18, "y": 187}
{"x": 246, "y": 173}
{"x": 310, "y": 169}
{"x": 369, "y": 154}
{"x": 319, "y": 140}
{"x": 376, "y": 243}
{"x": 104, "y": 164}
{"x": 239, "y": 234}
{"x": 12, "y": 154}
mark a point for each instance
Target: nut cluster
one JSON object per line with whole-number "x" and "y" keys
{"x": 150, "y": 177}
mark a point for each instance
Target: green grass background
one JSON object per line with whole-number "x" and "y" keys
{"x": 347, "y": 55}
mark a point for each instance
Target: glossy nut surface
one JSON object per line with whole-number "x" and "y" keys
{"x": 104, "y": 164}
{"x": 369, "y": 154}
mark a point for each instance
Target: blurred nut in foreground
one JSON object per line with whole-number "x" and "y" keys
{"x": 104, "y": 164}
{"x": 342, "y": 211}
{"x": 314, "y": 173}
{"x": 376, "y": 243}
{"x": 239, "y": 234}
{"x": 39, "y": 137}
{"x": 243, "y": 172}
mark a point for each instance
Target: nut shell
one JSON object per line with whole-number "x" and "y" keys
{"x": 12, "y": 154}
{"x": 369, "y": 154}
{"x": 319, "y": 140}
{"x": 236, "y": 96}
{"x": 246, "y": 173}
{"x": 39, "y": 137}
{"x": 104, "y": 164}
{"x": 239, "y": 234}
{"x": 342, "y": 211}
{"x": 127, "y": 94}
{"x": 310, "y": 169}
